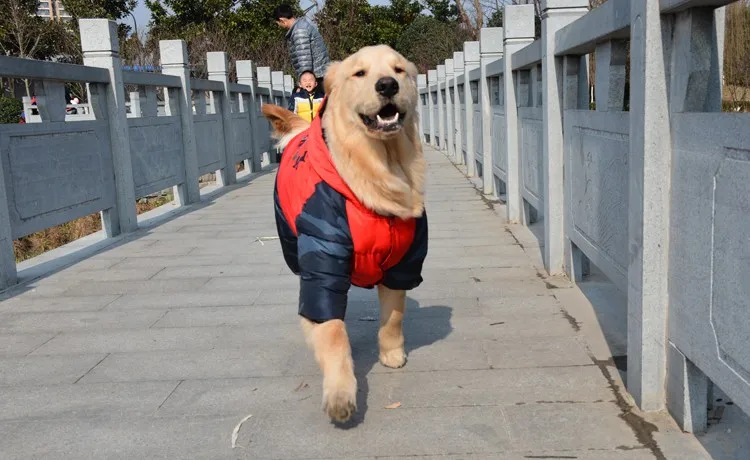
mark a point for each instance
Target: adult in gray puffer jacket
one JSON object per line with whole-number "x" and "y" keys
{"x": 305, "y": 43}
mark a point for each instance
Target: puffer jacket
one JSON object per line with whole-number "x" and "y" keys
{"x": 307, "y": 48}
{"x": 304, "y": 104}
{"x": 330, "y": 239}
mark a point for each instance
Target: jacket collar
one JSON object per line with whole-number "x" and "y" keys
{"x": 297, "y": 22}
{"x": 321, "y": 158}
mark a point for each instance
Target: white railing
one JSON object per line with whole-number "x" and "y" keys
{"x": 60, "y": 166}
{"x": 651, "y": 188}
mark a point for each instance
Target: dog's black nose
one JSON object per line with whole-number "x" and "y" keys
{"x": 387, "y": 86}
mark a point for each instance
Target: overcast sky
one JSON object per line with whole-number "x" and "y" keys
{"x": 143, "y": 15}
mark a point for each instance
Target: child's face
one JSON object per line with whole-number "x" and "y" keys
{"x": 308, "y": 82}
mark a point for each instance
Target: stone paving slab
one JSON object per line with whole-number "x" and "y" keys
{"x": 504, "y": 387}
{"x": 84, "y": 400}
{"x": 46, "y": 370}
{"x": 77, "y": 321}
{"x": 185, "y": 299}
{"x": 21, "y": 344}
{"x": 30, "y": 303}
{"x": 158, "y": 347}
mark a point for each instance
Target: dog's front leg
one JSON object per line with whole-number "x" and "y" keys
{"x": 391, "y": 336}
{"x": 330, "y": 343}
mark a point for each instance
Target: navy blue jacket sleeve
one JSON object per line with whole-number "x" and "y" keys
{"x": 287, "y": 237}
{"x": 325, "y": 249}
{"x": 407, "y": 274}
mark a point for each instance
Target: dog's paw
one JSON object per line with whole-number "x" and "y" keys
{"x": 340, "y": 402}
{"x": 393, "y": 358}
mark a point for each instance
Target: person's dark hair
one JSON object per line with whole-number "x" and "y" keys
{"x": 306, "y": 72}
{"x": 283, "y": 11}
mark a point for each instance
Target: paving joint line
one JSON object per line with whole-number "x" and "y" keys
{"x": 92, "y": 368}
{"x": 169, "y": 395}
{"x": 43, "y": 344}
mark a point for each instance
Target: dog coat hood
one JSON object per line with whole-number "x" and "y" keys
{"x": 330, "y": 239}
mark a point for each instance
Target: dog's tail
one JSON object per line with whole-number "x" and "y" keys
{"x": 286, "y": 125}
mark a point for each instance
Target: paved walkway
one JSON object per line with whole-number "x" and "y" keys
{"x": 158, "y": 348}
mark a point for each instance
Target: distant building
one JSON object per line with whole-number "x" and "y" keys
{"x": 53, "y": 9}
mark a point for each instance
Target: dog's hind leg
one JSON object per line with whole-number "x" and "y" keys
{"x": 391, "y": 335}
{"x": 330, "y": 343}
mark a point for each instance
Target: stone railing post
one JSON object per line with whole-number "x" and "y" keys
{"x": 101, "y": 48}
{"x": 518, "y": 32}
{"x": 431, "y": 104}
{"x": 246, "y": 76}
{"x": 556, "y": 14}
{"x": 288, "y": 87}
{"x": 449, "y": 129}
{"x": 458, "y": 70}
{"x": 441, "y": 105}
{"x": 135, "y": 104}
{"x": 218, "y": 70}
{"x": 174, "y": 62}
{"x": 471, "y": 62}
{"x": 264, "y": 81}
{"x": 695, "y": 85}
{"x": 8, "y": 271}
{"x": 277, "y": 81}
{"x": 421, "y": 85}
{"x": 491, "y": 49}
{"x": 648, "y": 207}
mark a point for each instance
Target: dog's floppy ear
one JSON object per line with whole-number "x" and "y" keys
{"x": 285, "y": 124}
{"x": 411, "y": 69}
{"x": 330, "y": 76}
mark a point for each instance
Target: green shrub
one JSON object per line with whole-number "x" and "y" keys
{"x": 10, "y": 110}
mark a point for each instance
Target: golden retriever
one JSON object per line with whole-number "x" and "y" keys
{"x": 370, "y": 123}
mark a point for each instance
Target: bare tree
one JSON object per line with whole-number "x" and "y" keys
{"x": 21, "y": 28}
{"x": 24, "y": 34}
{"x": 737, "y": 56}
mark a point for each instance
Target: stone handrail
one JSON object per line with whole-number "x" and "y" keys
{"x": 650, "y": 188}
{"x": 58, "y": 167}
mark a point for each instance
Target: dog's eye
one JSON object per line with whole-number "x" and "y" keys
{"x": 399, "y": 70}
{"x": 361, "y": 73}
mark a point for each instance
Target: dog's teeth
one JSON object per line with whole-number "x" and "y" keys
{"x": 389, "y": 120}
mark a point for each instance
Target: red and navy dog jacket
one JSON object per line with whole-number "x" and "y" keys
{"x": 330, "y": 239}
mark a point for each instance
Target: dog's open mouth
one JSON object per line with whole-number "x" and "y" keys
{"x": 388, "y": 119}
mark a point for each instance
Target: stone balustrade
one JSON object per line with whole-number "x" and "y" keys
{"x": 644, "y": 178}
{"x": 170, "y": 131}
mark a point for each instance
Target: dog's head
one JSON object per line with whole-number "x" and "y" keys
{"x": 375, "y": 89}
